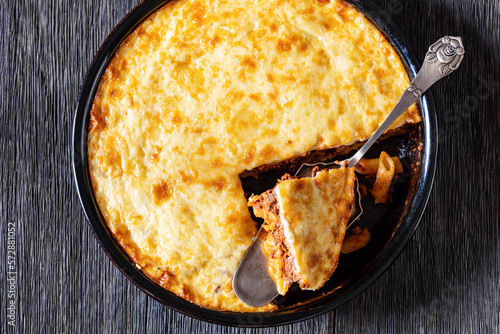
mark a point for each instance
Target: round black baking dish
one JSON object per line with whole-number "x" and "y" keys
{"x": 356, "y": 271}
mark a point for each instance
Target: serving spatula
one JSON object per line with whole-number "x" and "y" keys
{"x": 251, "y": 282}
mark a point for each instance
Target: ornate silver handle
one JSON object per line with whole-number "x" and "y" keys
{"x": 442, "y": 58}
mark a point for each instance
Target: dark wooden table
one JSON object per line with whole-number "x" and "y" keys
{"x": 447, "y": 280}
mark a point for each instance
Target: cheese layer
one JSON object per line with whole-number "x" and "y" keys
{"x": 203, "y": 90}
{"x": 314, "y": 213}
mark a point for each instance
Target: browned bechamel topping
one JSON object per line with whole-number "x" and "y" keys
{"x": 202, "y": 91}
{"x": 306, "y": 220}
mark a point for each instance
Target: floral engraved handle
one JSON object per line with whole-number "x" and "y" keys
{"x": 448, "y": 51}
{"x": 442, "y": 58}
{"x": 413, "y": 89}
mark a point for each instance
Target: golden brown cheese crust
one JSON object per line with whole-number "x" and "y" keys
{"x": 314, "y": 212}
{"x": 203, "y": 90}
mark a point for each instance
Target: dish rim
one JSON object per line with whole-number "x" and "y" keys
{"x": 327, "y": 303}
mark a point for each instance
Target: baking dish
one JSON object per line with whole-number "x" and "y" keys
{"x": 356, "y": 272}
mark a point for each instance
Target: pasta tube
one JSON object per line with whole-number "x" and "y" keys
{"x": 385, "y": 174}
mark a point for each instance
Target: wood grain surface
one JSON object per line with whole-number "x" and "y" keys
{"x": 447, "y": 280}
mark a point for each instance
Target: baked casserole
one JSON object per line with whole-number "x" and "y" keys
{"x": 305, "y": 220}
{"x": 202, "y": 91}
